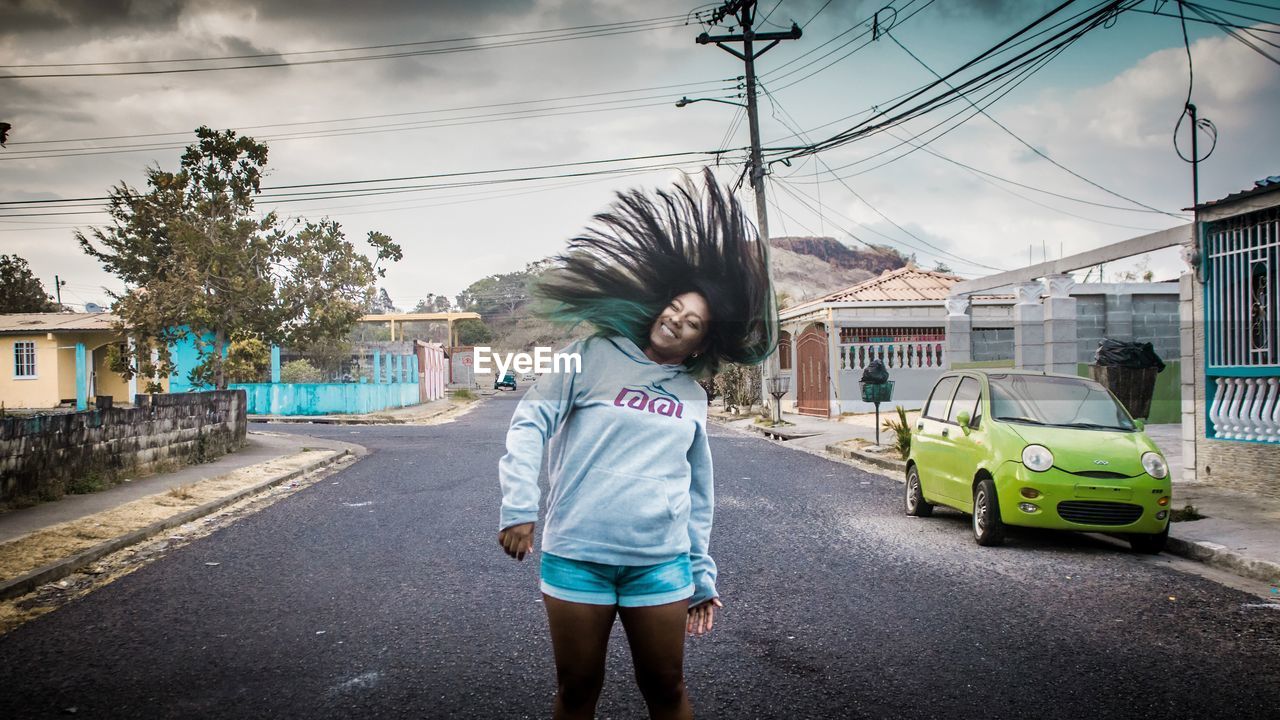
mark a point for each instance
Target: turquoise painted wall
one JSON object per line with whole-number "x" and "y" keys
{"x": 326, "y": 398}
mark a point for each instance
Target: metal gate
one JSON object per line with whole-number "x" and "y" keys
{"x": 813, "y": 380}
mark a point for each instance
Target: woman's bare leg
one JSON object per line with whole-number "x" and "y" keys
{"x": 579, "y": 636}
{"x": 656, "y": 635}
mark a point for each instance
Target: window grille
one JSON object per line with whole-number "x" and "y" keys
{"x": 1242, "y": 258}
{"x": 24, "y": 359}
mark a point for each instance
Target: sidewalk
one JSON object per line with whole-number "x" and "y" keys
{"x": 410, "y": 415}
{"x": 1240, "y": 532}
{"x": 49, "y": 541}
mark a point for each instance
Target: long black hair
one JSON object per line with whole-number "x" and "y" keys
{"x": 648, "y": 248}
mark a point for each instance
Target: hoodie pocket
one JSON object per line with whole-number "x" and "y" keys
{"x": 617, "y": 509}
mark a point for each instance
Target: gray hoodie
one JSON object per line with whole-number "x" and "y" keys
{"x": 630, "y": 466}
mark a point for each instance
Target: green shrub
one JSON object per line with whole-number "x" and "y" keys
{"x": 901, "y": 430}
{"x": 299, "y": 371}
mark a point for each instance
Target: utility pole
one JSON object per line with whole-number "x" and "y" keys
{"x": 744, "y": 11}
{"x": 57, "y": 288}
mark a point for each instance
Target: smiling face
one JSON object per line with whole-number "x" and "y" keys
{"x": 680, "y": 329}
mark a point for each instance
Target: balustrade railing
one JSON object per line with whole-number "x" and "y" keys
{"x": 918, "y": 355}
{"x": 1246, "y": 409}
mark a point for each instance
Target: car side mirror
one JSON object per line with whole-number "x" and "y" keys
{"x": 1140, "y": 425}
{"x": 963, "y": 418}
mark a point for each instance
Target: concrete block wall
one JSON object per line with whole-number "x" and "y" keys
{"x": 1093, "y": 315}
{"x": 1155, "y": 320}
{"x": 991, "y": 344}
{"x": 42, "y": 457}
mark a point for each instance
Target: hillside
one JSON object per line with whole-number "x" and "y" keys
{"x": 803, "y": 268}
{"x": 838, "y": 255}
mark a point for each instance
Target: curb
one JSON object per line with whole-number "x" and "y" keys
{"x": 1209, "y": 553}
{"x": 59, "y": 569}
{"x": 884, "y": 462}
{"x": 1221, "y": 557}
{"x": 327, "y": 420}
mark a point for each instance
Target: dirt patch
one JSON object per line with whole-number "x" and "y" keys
{"x": 53, "y": 595}
{"x": 20, "y": 556}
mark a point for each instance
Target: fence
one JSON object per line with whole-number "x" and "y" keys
{"x": 46, "y": 456}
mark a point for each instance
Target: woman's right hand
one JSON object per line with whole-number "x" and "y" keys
{"x": 517, "y": 540}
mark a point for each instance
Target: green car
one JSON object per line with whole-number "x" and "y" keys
{"x": 1037, "y": 450}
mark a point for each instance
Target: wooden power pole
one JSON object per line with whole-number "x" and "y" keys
{"x": 744, "y": 11}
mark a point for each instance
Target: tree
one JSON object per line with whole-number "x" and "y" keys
{"x": 198, "y": 261}
{"x": 941, "y": 267}
{"x": 20, "y": 290}
{"x": 472, "y": 332}
{"x": 248, "y": 360}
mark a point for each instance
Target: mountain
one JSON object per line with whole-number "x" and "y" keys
{"x": 804, "y": 268}
{"x": 874, "y": 260}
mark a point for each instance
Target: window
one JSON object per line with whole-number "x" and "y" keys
{"x": 784, "y": 351}
{"x": 1242, "y": 255}
{"x": 967, "y": 397}
{"x": 938, "y": 401}
{"x": 24, "y": 359}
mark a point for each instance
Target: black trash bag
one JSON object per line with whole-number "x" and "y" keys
{"x": 1136, "y": 355}
{"x": 876, "y": 374}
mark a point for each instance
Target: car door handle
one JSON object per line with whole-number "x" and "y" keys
{"x": 945, "y": 431}
{"x": 920, "y": 425}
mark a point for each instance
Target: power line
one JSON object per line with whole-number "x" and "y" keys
{"x": 687, "y": 87}
{"x": 667, "y": 18}
{"x": 1026, "y": 144}
{"x": 384, "y": 56}
{"x": 1232, "y": 32}
{"x": 540, "y": 113}
{"x": 864, "y": 201}
{"x": 1097, "y": 16}
{"x": 330, "y": 191}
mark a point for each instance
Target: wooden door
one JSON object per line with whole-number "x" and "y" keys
{"x": 812, "y": 376}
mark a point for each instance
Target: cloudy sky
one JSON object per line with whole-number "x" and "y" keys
{"x": 463, "y": 86}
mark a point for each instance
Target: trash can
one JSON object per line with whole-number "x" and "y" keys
{"x": 1128, "y": 370}
{"x": 876, "y": 387}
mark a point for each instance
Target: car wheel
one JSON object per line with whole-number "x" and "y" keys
{"x": 988, "y": 528}
{"x": 1149, "y": 544}
{"x": 915, "y": 502}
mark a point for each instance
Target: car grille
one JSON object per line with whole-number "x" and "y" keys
{"x": 1102, "y": 475}
{"x": 1087, "y": 512}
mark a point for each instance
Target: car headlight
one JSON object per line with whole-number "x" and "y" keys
{"x": 1037, "y": 457}
{"x": 1155, "y": 465}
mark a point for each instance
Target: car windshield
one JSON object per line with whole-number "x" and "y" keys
{"x": 1057, "y": 401}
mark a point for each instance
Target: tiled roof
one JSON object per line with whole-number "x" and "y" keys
{"x": 1266, "y": 184}
{"x": 55, "y": 322}
{"x": 904, "y": 284}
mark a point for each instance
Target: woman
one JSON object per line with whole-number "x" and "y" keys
{"x": 673, "y": 285}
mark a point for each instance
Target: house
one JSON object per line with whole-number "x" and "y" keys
{"x": 55, "y": 359}
{"x": 920, "y": 323}
{"x": 1231, "y": 343}
{"x": 898, "y": 318}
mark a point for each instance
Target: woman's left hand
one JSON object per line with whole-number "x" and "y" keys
{"x": 702, "y": 616}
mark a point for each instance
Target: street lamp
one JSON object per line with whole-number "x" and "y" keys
{"x": 686, "y": 101}
{"x": 779, "y": 385}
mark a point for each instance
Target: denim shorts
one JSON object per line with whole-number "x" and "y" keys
{"x": 624, "y": 585}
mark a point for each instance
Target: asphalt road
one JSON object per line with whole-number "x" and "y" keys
{"x": 381, "y": 592}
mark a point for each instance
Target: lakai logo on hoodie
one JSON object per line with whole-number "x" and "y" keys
{"x": 659, "y": 403}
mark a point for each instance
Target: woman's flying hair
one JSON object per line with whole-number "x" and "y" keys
{"x": 648, "y": 248}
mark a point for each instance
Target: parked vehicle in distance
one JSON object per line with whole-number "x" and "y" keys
{"x": 1037, "y": 450}
{"x": 506, "y": 381}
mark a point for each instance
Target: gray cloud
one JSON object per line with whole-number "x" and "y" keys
{"x": 27, "y": 16}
